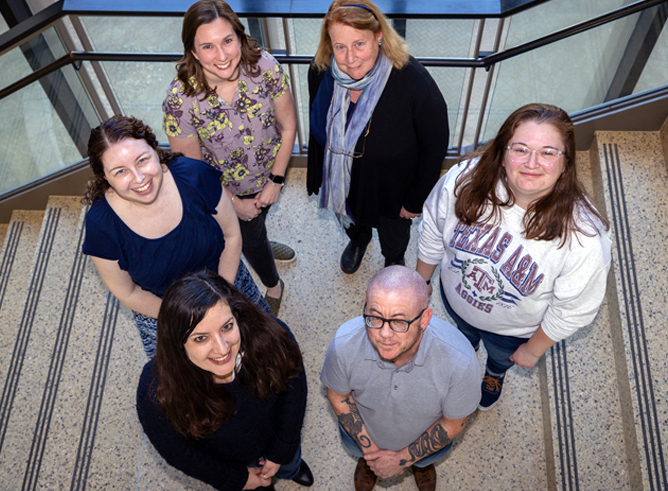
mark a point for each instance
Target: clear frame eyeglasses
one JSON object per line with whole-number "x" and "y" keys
{"x": 397, "y": 325}
{"x": 546, "y": 156}
{"x": 341, "y": 151}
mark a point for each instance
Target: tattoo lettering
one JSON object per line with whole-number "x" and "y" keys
{"x": 427, "y": 444}
{"x": 353, "y": 424}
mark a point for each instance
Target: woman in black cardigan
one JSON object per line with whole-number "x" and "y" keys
{"x": 224, "y": 399}
{"x": 379, "y": 130}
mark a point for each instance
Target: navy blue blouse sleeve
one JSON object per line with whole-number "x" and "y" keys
{"x": 101, "y": 233}
{"x": 200, "y": 177}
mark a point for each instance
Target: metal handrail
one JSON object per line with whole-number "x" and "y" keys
{"x": 479, "y": 62}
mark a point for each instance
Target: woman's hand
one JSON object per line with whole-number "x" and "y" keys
{"x": 269, "y": 469}
{"x": 407, "y": 214}
{"x": 523, "y": 357}
{"x": 528, "y": 353}
{"x": 269, "y": 195}
{"x": 246, "y": 209}
{"x": 255, "y": 479}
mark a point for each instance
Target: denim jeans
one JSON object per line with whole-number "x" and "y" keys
{"x": 286, "y": 471}
{"x": 499, "y": 348}
{"x": 356, "y": 452}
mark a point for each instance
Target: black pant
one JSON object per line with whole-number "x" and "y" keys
{"x": 394, "y": 235}
{"x": 256, "y": 248}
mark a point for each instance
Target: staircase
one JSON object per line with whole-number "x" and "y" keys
{"x": 592, "y": 416}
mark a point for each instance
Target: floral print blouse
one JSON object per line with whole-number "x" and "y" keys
{"x": 241, "y": 137}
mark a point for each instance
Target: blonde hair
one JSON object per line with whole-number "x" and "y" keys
{"x": 373, "y": 20}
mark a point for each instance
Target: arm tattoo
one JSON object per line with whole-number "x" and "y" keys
{"x": 353, "y": 424}
{"x": 427, "y": 444}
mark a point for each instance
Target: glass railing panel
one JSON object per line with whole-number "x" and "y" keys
{"x": 574, "y": 73}
{"x": 554, "y": 15}
{"x": 41, "y": 50}
{"x": 35, "y": 141}
{"x": 655, "y": 73}
{"x": 135, "y": 34}
{"x": 140, "y": 88}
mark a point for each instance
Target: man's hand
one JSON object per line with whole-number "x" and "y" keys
{"x": 385, "y": 463}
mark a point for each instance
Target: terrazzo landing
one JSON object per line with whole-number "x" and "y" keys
{"x": 636, "y": 178}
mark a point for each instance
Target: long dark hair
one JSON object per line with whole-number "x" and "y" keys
{"x": 205, "y": 12}
{"x": 113, "y": 130}
{"x": 553, "y": 216}
{"x": 194, "y": 404}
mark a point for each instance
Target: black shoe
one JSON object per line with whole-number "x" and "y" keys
{"x": 352, "y": 257}
{"x": 395, "y": 262}
{"x": 304, "y": 477}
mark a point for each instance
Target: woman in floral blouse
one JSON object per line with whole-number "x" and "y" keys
{"x": 231, "y": 106}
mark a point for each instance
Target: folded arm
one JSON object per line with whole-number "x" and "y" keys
{"x": 388, "y": 463}
{"x": 346, "y": 411}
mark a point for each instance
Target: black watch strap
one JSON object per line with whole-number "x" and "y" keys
{"x": 277, "y": 179}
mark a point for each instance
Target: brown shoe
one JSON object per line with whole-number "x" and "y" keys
{"x": 425, "y": 477}
{"x": 365, "y": 479}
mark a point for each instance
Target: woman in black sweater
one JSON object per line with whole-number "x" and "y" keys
{"x": 379, "y": 130}
{"x": 224, "y": 399}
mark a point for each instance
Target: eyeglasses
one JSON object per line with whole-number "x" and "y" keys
{"x": 546, "y": 156}
{"x": 341, "y": 151}
{"x": 397, "y": 325}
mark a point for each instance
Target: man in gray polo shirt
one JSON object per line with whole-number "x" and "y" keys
{"x": 401, "y": 381}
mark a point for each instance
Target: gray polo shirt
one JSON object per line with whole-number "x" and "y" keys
{"x": 398, "y": 404}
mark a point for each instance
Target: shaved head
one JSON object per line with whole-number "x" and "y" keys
{"x": 401, "y": 278}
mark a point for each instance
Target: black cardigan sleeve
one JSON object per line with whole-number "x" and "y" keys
{"x": 430, "y": 121}
{"x": 316, "y": 152}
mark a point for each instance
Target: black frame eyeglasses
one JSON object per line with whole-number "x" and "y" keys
{"x": 341, "y": 151}
{"x": 369, "y": 320}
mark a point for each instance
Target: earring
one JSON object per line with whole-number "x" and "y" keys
{"x": 380, "y": 42}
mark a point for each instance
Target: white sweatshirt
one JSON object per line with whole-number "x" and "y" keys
{"x": 498, "y": 281}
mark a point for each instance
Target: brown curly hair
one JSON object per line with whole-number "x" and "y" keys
{"x": 205, "y": 12}
{"x": 114, "y": 130}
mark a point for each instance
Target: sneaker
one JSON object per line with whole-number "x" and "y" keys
{"x": 282, "y": 253}
{"x": 491, "y": 391}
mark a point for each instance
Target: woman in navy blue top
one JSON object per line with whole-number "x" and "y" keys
{"x": 156, "y": 216}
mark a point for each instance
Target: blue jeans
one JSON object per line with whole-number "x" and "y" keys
{"x": 499, "y": 348}
{"x": 286, "y": 471}
{"x": 356, "y": 452}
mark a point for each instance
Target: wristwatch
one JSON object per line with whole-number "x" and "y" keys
{"x": 280, "y": 180}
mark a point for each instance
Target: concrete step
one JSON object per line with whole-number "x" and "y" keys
{"x": 585, "y": 413}
{"x": 18, "y": 253}
{"x": 635, "y": 179}
{"x": 68, "y": 418}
